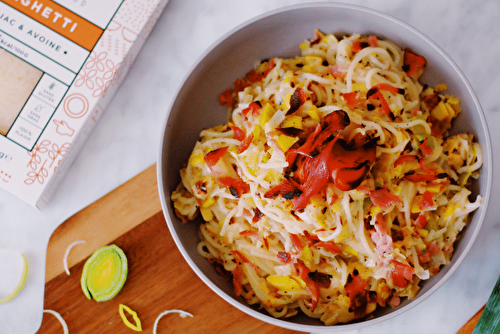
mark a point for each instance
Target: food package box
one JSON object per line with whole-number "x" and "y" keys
{"x": 61, "y": 62}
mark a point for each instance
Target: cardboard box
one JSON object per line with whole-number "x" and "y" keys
{"x": 61, "y": 62}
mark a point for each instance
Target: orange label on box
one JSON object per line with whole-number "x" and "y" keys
{"x": 61, "y": 20}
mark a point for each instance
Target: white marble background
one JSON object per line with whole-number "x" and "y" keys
{"x": 126, "y": 140}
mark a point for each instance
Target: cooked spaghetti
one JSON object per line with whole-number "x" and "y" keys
{"x": 335, "y": 187}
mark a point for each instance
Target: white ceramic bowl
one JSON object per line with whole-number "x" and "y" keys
{"x": 279, "y": 33}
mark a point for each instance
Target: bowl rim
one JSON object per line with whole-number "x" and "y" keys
{"x": 485, "y": 193}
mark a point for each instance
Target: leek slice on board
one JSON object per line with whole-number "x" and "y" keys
{"x": 124, "y": 308}
{"x": 20, "y": 285}
{"x": 489, "y": 322}
{"x": 104, "y": 273}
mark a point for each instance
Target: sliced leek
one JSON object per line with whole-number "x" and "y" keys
{"x": 137, "y": 326}
{"x": 104, "y": 273}
{"x": 60, "y": 318}
{"x": 65, "y": 259}
{"x": 180, "y": 312}
{"x": 20, "y": 285}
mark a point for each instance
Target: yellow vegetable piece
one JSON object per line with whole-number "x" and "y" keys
{"x": 293, "y": 122}
{"x": 285, "y": 283}
{"x": 266, "y": 114}
{"x": 450, "y": 110}
{"x": 313, "y": 112}
{"x": 346, "y": 249}
{"x": 359, "y": 87}
{"x": 304, "y": 46}
{"x": 454, "y": 103}
{"x": 206, "y": 214}
{"x": 104, "y": 273}
{"x": 440, "y": 111}
{"x": 257, "y": 131}
{"x": 20, "y": 285}
{"x": 423, "y": 233}
{"x": 450, "y": 210}
{"x": 196, "y": 159}
{"x": 137, "y": 326}
{"x": 306, "y": 253}
{"x": 285, "y": 142}
{"x": 440, "y": 87}
{"x": 285, "y": 103}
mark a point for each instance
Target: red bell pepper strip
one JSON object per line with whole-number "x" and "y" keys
{"x": 240, "y": 84}
{"x": 425, "y": 148}
{"x": 245, "y": 144}
{"x": 389, "y": 88}
{"x": 297, "y": 243}
{"x": 433, "y": 248}
{"x": 337, "y": 72}
{"x": 401, "y": 274}
{"x": 311, "y": 238}
{"x": 421, "y": 220}
{"x": 356, "y": 46}
{"x": 257, "y": 215}
{"x": 405, "y": 158}
{"x": 424, "y": 257}
{"x": 297, "y": 99}
{"x": 421, "y": 177}
{"x": 212, "y": 157}
{"x": 381, "y": 237}
{"x": 240, "y": 257}
{"x": 328, "y": 245}
{"x": 426, "y": 201}
{"x": 346, "y": 166}
{"x": 284, "y": 257}
{"x": 351, "y": 99}
{"x": 226, "y": 97}
{"x": 249, "y": 233}
{"x": 413, "y": 64}
{"x": 237, "y": 280}
{"x": 373, "y": 41}
{"x": 356, "y": 288}
{"x": 384, "y": 199}
{"x": 253, "y": 107}
{"x": 286, "y": 188}
{"x": 238, "y": 133}
{"x": 311, "y": 287}
{"x": 374, "y": 92}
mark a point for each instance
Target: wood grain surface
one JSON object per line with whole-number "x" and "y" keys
{"x": 158, "y": 277}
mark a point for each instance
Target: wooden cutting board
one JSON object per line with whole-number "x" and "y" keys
{"x": 158, "y": 279}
